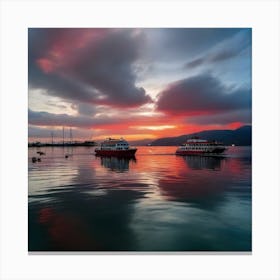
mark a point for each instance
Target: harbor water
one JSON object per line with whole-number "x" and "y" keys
{"x": 156, "y": 201}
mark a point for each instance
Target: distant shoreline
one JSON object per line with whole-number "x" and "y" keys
{"x": 86, "y": 145}
{"x": 83, "y": 144}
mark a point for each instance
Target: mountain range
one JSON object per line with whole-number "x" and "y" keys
{"x": 239, "y": 137}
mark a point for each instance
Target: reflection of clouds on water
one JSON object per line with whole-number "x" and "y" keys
{"x": 206, "y": 194}
{"x": 203, "y": 162}
{"x": 78, "y": 221}
{"x": 157, "y": 203}
{"x": 225, "y": 227}
{"x": 208, "y": 204}
{"x": 90, "y": 213}
{"x": 207, "y": 181}
{"x": 65, "y": 231}
{"x": 197, "y": 180}
{"x": 52, "y": 171}
{"x": 117, "y": 164}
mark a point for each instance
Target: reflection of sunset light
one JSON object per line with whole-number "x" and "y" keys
{"x": 65, "y": 230}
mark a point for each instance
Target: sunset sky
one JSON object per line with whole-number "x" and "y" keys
{"x": 137, "y": 83}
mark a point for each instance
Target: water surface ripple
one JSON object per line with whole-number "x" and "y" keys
{"x": 156, "y": 201}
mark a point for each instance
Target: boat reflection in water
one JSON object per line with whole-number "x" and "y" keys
{"x": 201, "y": 183}
{"x": 117, "y": 164}
{"x": 204, "y": 162}
{"x": 161, "y": 202}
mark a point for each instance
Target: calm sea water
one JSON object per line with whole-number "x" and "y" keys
{"x": 155, "y": 202}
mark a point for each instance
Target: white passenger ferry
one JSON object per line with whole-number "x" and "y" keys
{"x": 115, "y": 147}
{"x": 197, "y": 146}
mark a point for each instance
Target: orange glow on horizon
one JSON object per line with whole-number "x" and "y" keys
{"x": 235, "y": 125}
{"x": 135, "y": 133}
{"x": 129, "y": 137}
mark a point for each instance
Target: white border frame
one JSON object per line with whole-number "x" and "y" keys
{"x": 17, "y": 16}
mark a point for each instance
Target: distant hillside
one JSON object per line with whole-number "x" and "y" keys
{"x": 240, "y": 137}
{"x": 143, "y": 142}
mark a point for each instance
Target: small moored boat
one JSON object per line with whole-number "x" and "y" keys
{"x": 200, "y": 147}
{"x": 115, "y": 147}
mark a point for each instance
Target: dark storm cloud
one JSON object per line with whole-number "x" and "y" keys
{"x": 202, "y": 95}
{"x": 240, "y": 116}
{"x": 62, "y": 86}
{"x": 225, "y": 50}
{"x": 109, "y": 68}
{"x": 42, "y": 132}
{"x": 87, "y": 65}
{"x": 48, "y": 119}
{"x": 85, "y": 109}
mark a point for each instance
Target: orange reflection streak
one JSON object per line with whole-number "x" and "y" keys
{"x": 189, "y": 177}
{"x": 172, "y": 168}
{"x": 234, "y": 167}
{"x": 67, "y": 232}
{"x": 189, "y": 185}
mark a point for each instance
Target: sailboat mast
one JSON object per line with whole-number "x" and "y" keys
{"x": 63, "y": 135}
{"x": 71, "y": 138}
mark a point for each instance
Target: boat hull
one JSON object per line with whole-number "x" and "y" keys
{"x": 116, "y": 153}
{"x": 191, "y": 152}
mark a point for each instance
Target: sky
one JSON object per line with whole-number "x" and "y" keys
{"x": 137, "y": 83}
